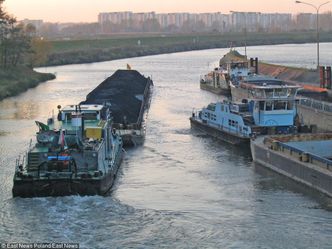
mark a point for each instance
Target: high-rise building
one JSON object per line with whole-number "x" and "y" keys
{"x": 235, "y": 21}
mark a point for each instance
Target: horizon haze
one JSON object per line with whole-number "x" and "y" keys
{"x": 86, "y": 11}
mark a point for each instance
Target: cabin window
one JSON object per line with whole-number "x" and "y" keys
{"x": 268, "y": 106}
{"x": 211, "y": 107}
{"x": 261, "y": 105}
{"x": 259, "y": 94}
{"x": 68, "y": 116}
{"x": 222, "y": 108}
{"x": 251, "y": 93}
{"x": 233, "y": 123}
{"x": 90, "y": 116}
{"x": 280, "y": 105}
{"x": 269, "y": 93}
{"x": 293, "y": 92}
{"x": 290, "y": 105}
{"x": 281, "y": 92}
{"x": 212, "y": 116}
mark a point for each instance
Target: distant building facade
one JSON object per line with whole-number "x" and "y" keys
{"x": 36, "y": 23}
{"x": 234, "y": 21}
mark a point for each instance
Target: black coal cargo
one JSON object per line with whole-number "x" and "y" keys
{"x": 127, "y": 91}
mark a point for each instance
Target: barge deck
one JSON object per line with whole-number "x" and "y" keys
{"x": 305, "y": 158}
{"x": 128, "y": 93}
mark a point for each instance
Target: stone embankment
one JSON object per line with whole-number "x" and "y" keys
{"x": 293, "y": 74}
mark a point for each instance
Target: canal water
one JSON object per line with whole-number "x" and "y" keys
{"x": 181, "y": 189}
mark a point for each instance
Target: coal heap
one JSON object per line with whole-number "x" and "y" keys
{"x": 124, "y": 90}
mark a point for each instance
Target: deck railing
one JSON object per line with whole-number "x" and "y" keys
{"x": 301, "y": 155}
{"x": 316, "y": 104}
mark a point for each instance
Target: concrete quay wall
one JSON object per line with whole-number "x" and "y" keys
{"x": 312, "y": 116}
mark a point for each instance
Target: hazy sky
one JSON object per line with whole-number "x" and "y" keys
{"x": 87, "y": 10}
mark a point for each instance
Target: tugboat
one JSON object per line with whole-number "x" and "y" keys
{"x": 231, "y": 67}
{"x": 76, "y": 153}
{"x": 267, "y": 109}
{"x": 226, "y": 121}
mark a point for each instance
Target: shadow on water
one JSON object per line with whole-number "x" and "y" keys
{"x": 241, "y": 151}
{"x": 273, "y": 181}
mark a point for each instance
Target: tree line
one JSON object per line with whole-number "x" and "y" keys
{"x": 19, "y": 44}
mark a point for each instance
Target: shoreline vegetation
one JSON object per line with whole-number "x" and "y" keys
{"x": 20, "y": 50}
{"x": 16, "y": 80}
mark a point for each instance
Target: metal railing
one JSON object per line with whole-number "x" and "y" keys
{"x": 310, "y": 156}
{"x": 316, "y": 104}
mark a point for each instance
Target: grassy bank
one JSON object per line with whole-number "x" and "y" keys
{"x": 16, "y": 80}
{"x": 120, "y": 46}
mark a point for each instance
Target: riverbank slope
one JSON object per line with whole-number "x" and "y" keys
{"x": 116, "y": 46}
{"x": 300, "y": 75}
{"x": 16, "y": 80}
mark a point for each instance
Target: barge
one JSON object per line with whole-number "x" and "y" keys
{"x": 305, "y": 158}
{"x": 233, "y": 65}
{"x": 76, "y": 153}
{"x": 128, "y": 95}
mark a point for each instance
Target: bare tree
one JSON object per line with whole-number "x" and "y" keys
{"x": 14, "y": 42}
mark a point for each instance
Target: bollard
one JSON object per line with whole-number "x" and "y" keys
{"x": 256, "y": 65}
{"x": 328, "y": 77}
{"x": 322, "y": 76}
{"x": 251, "y": 62}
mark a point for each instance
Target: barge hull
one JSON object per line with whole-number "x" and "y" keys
{"x": 218, "y": 91}
{"x": 296, "y": 170}
{"x": 61, "y": 187}
{"x": 44, "y": 187}
{"x": 218, "y": 133}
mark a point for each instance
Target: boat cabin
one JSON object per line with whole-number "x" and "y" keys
{"x": 256, "y": 114}
{"x": 237, "y": 70}
{"x": 223, "y": 115}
